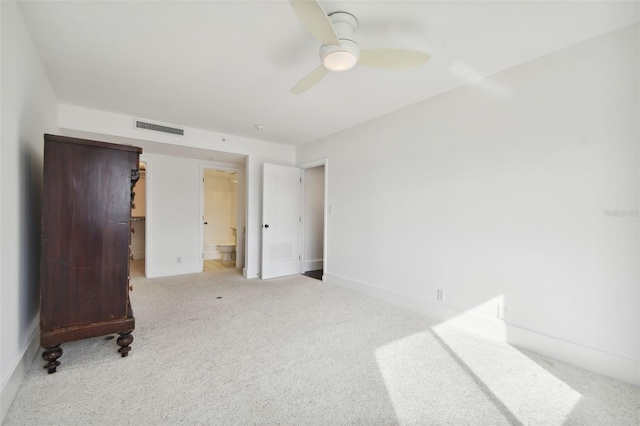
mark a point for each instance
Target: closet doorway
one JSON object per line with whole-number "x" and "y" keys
{"x": 139, "y": 225}
{"x": 314, "y": 232}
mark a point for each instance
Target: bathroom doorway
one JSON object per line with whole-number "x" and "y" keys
{"x": 314, "y": 221}
{"x": 137, "y": 256}
{"x": 221, "y": 218}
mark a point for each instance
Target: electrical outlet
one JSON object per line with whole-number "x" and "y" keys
{"x": 502, "y": 313}
{"x": 440, "y": 295}
{"x": 179, "y": 259}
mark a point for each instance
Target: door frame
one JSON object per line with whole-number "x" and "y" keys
{"x": 309, "y": 165}
{"x": 241, "y": 191}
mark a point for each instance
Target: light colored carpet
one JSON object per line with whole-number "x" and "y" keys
{"x": 215, "y": 348}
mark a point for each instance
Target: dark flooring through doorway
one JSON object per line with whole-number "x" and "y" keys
{"x": 317, "y": 274}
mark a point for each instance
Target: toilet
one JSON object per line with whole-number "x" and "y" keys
{"x": 227, "y": 251}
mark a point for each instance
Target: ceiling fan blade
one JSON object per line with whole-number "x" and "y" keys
{"x": 315, "y": 19}
{"x": 310, "y": 80}
{"x": 393, "y": 59}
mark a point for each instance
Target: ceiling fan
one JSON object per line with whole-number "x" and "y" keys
{"x": 339, "y": 51}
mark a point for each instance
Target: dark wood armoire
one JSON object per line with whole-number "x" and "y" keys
{"x": 86, "y": 232}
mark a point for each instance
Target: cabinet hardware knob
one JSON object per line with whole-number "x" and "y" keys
{"x": 130, "y": 287}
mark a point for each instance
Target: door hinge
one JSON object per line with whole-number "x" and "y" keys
{"x": 299, "y": 258}
{"x": 202, "y": 180}
{"x": 299, "y": 218}
{"x": 300, "y": 180}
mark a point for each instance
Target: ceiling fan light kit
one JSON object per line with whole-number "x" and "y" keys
{"x": 339, "y": 50}
{"x": 340, "y": 58}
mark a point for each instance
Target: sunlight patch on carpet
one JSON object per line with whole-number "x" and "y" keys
{"x": 422, "y": 382}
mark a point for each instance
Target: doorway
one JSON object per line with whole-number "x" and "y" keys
{"x": 137, "y": 256}
{"x": 314, "y": 224}
{"x": 222, "y": 218}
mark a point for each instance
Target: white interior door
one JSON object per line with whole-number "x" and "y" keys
{"x": 281, "y": 220}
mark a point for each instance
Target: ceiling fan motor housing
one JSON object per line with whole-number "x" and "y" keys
{"x": 344, "y": 56}
{"x": 344, "y": 24}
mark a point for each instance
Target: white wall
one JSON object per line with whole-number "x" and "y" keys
{"x": 313, "y": 218}
{"x": 173, "y": 221}
{"x": 258, "y": 152}
{"x": 28, "y": 110}
{"x": 499, "y": 191}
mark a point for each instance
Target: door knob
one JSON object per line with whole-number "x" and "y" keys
{"x": 266, "y": 226}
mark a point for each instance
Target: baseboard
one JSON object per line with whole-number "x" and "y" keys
{"x": 250, "y": 273}
{"x": 12, "y": 385}
{"x": 313, "y": 265}
{"x": 178, "y": 269}
{"x": 608, "y": 364}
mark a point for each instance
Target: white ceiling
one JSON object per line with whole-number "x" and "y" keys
{"x": 228, "y": 65}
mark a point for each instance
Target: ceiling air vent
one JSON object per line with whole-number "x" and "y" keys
{"x": 158, "y": 128}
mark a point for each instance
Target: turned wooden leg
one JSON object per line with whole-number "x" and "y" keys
{"x": 124, "y": 341}
{"x": 51, "y": 354}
